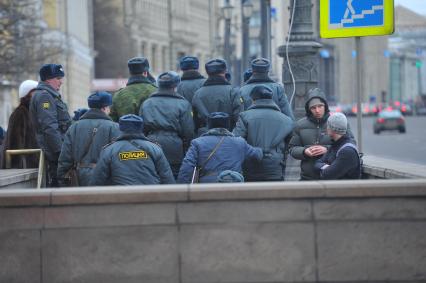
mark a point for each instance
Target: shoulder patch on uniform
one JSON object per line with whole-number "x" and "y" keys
{"x": 46, "y": 105}
{"x": 132, "y": 155}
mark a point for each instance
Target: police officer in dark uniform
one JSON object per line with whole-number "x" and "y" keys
{"x": 168, "y": 120}
{"x": 86, "y": 137}
{"x": 216, "y": 95}
{"x": 263, "y": 125}
{"x": 50, "y": 116}
{"x": 132, "y": 159}
{"x": 139, "y": 87}
{"x": 191, "y": 79}
{"x": 260, "y": 69}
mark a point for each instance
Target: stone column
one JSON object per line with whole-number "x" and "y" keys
{"x": 303, "y": 56}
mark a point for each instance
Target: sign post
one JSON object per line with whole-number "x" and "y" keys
{"x": 356, "y": 18}
{"x": 358, "y": 90}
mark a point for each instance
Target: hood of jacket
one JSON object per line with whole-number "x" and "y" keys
{"x": 316, "y": 93}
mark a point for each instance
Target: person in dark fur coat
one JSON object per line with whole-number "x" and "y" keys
{"x": 20, "y": 131}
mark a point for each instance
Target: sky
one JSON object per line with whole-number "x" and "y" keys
{"x": 418, "y": 6}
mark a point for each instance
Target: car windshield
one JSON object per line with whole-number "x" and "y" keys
{"x": 390, "y": 114}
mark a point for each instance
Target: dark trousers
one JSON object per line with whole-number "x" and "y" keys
{"x": 52, "y": 174}
{"x": 175, "y": 169}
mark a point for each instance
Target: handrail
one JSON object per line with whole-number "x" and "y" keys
{"x": 10, "y": 152}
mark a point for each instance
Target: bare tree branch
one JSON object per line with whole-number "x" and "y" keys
{"x": 25, "y": 40}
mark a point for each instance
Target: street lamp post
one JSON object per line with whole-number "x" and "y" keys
{"x": 303, "y": 56}
{"x": 227, "y": 15}
{"x": 265, "y": 10}
{"x": 247, "y": 11}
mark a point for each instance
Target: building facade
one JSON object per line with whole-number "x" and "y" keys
{"x": 67, "y": 25}
{"x": 408, "y": 57}
{"x": 74, "y": 19}
{"x": 160, "y": 30}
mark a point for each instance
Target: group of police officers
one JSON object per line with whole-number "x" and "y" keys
{"x": 173, "y": 127}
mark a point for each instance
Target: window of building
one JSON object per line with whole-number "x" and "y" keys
{"x": 255, "y": 20}
{"x": 143, "y": 49}
{"x": 255, "y": 48}
{"x": 164, "y": 57}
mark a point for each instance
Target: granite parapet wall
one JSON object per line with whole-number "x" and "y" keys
{"x": 341, "y": 231}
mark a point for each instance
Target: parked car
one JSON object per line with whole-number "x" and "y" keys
{"x": 406, "y": 109}
{"x": 421, "y": 111}
{"x": 347, "y": 109}
{"x": 367, "y": 109}
{"x": 389, "y": 120}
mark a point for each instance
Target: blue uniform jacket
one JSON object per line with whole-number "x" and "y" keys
{"x": 216, "y": 95}
{"x": 77, "y": 139}
{"x": 230, "y": 155}
{"x": 122, "y": 163}
{"x": 168, "y": 122}
{"x": 263, "y": 125}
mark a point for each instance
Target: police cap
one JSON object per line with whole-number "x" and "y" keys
{"x": 138, "y": 65}
{"x": 131, "y": 123}
{"x": 261, "y": 92}
{"x": 218, "y": 120}
{"x": 99, "y": 99}
{"x": 260, "y": 65}
{"x": 216, "y": 66}
{"x": 168, "y": 79}
{"x": 189, "y": 63}
{"x": 50, "y": 71}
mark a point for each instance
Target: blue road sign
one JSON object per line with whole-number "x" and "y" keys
{"x": 361, "y": 13}
{"x": 346, "y": 18}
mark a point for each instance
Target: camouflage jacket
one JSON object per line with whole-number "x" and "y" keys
{"x": 129, "y": 99}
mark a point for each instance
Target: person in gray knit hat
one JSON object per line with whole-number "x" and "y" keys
{"x": 342, "y": 160}
{"x": 338, "y": 123}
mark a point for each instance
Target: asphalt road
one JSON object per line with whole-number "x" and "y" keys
{"x": 409, "y": 147}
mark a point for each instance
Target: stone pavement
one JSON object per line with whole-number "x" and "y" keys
{"x": 393, "y": 168}
{"x": 18, "y": 178}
